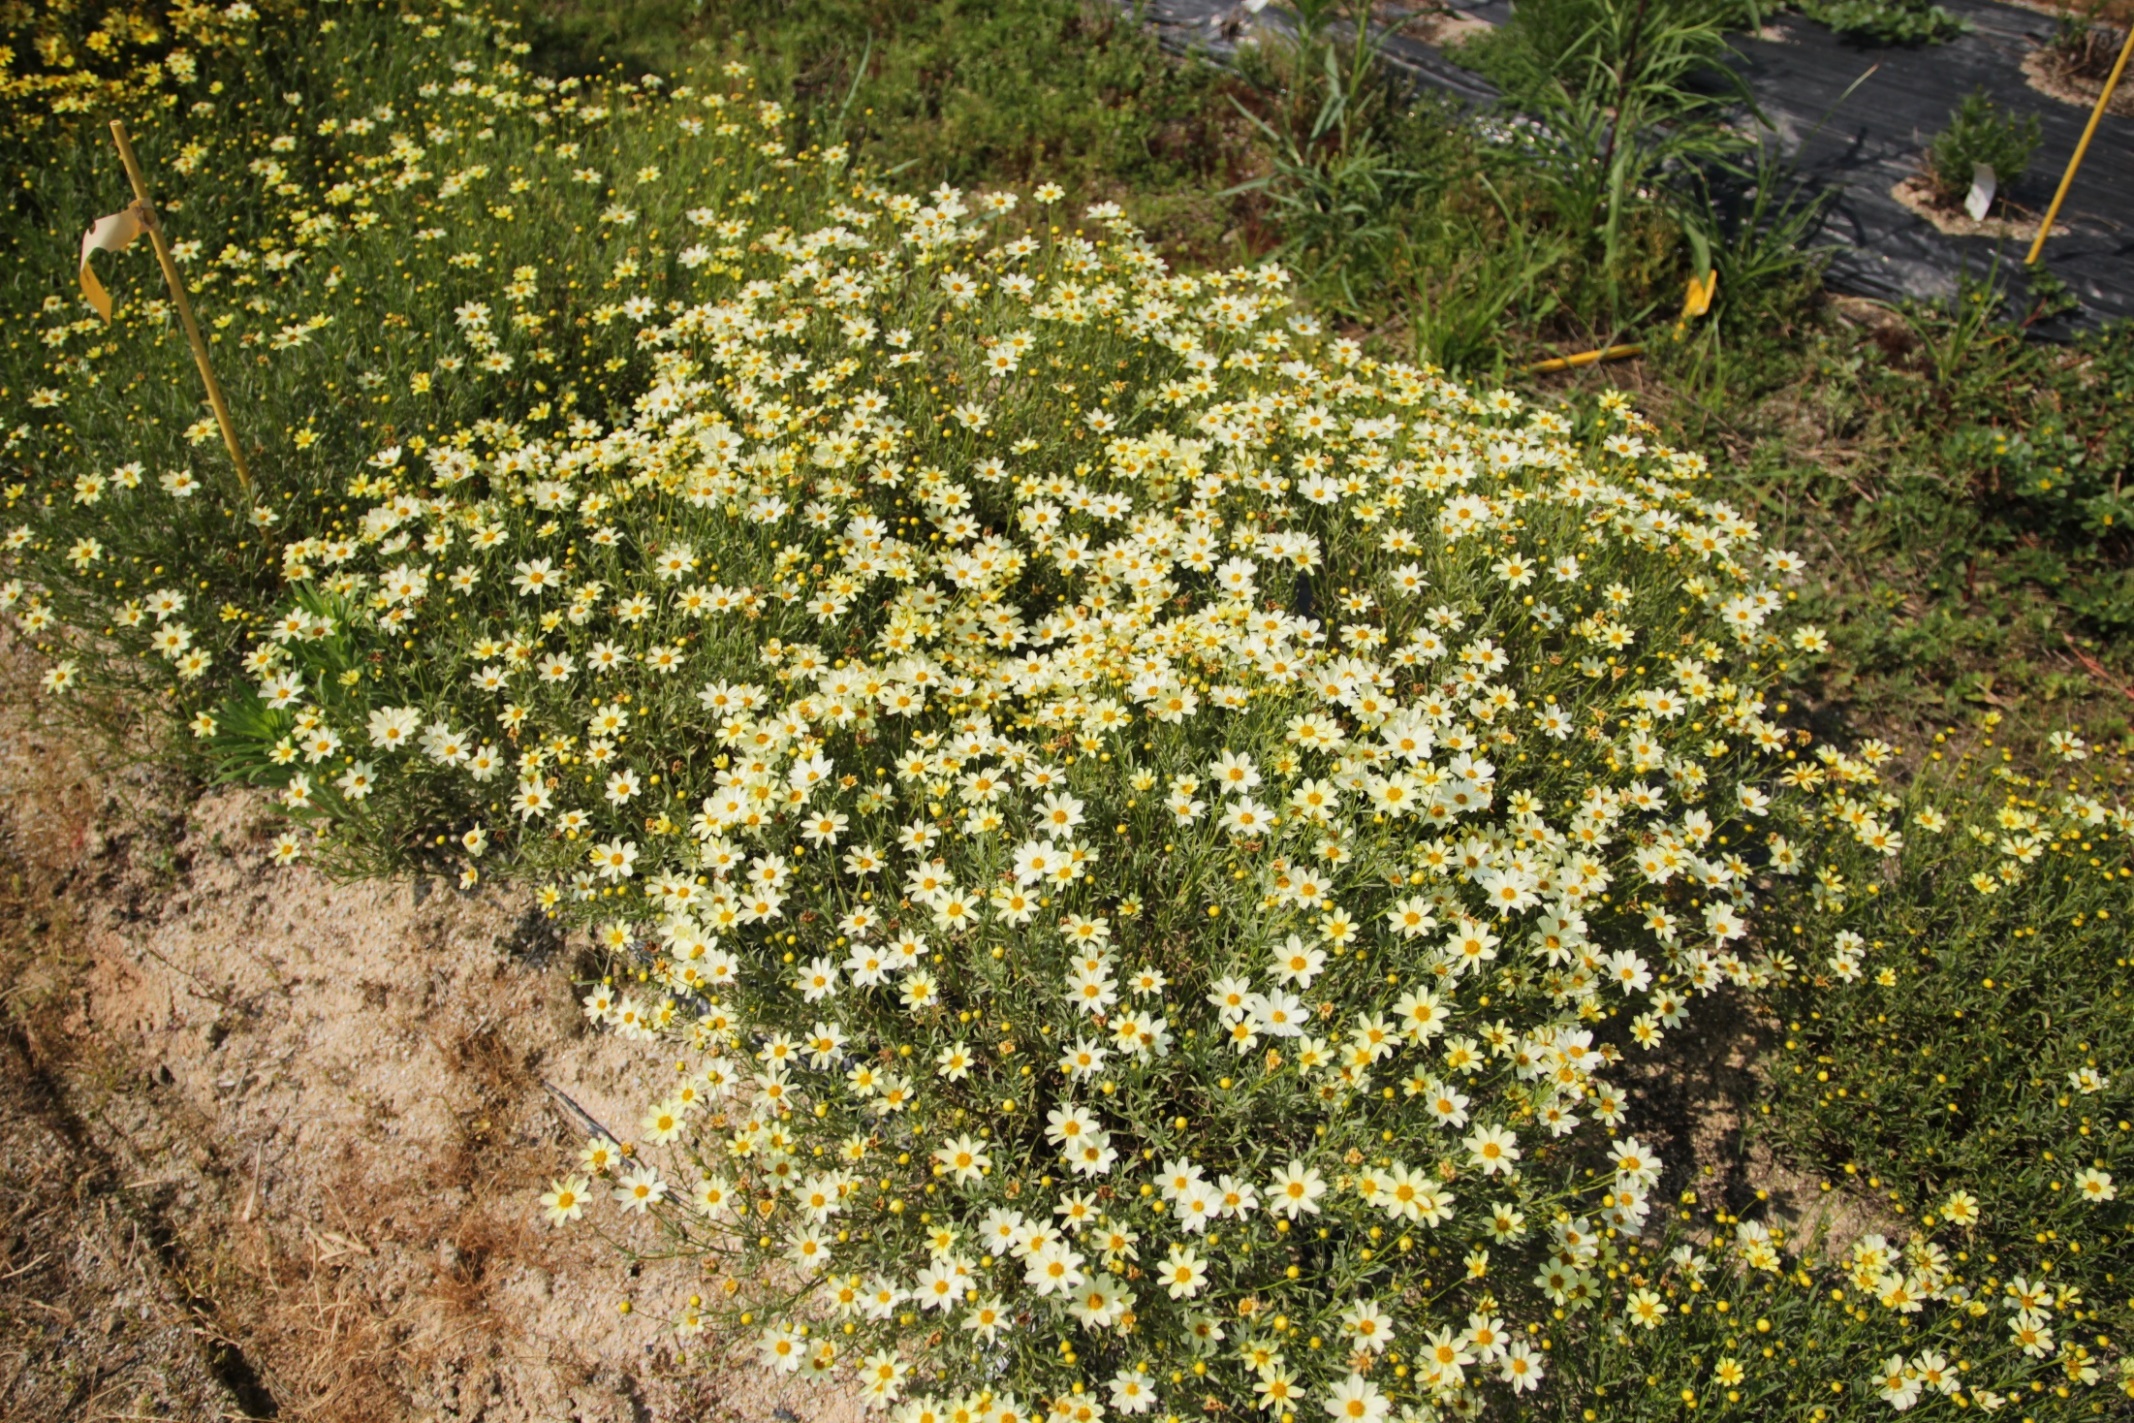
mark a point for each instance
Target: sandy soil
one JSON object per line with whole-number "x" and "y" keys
{"x": 1917, "y": 194}
{"x": 269, "y": 1145}
{"x": 91, "y": 1323}
{"x": 1693, "y": 1101}
{"x": 1444, "y": 28}
{"x": 2115, "y": 11}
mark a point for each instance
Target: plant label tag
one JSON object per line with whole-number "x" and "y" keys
{"x": 1980, "y": 197}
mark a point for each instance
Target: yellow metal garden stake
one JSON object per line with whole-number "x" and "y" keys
{"x": 147, "y": 210}
{"x": 2067, "y": 179}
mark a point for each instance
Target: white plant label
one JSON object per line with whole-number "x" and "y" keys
{"x": 1980, "y": 197}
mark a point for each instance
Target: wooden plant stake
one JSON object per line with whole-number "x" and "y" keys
{"x": 154, "y": 227}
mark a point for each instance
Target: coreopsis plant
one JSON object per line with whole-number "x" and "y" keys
{"x": 64, "y": 63}
{"x": 1145, "y": 829}
{"x": 1156, "y": 929}
{"x": 405, "y": 241}
{"x": 1954, "y": 1051}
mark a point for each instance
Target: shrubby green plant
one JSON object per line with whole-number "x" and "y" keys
{"x": 2085, "y": 46}
{"x": 1635, "y": 125}
{"x": 1980, "y": 131}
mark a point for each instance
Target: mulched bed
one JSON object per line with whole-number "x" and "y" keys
{"x": 1857, "y": 148}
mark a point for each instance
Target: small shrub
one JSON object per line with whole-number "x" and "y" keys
{"x": 1541, "y": 46}
{"x": 1980, "y": 131}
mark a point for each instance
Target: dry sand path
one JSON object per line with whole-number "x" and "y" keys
{"x": 269, "y": 1146}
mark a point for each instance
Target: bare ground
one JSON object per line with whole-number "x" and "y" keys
{"x": 269, "y": 1146}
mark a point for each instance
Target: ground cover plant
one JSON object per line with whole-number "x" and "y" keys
{"x": 897, "y": 620}
{"x": 1886, "y": 21}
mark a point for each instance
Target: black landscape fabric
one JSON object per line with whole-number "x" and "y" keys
{"x": 1857, "y": 147}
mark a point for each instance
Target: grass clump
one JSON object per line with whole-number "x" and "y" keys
{"x": 1575, "y": 215}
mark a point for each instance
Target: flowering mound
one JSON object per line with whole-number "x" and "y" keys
{"x": 1144, "y": 828}
{"x": 1156, "y": 916}
{"x": 1145, "y": 892}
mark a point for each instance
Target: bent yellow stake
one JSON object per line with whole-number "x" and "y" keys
{"x": 1587, "y": 358}
{"x": 1695, "y": 302}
